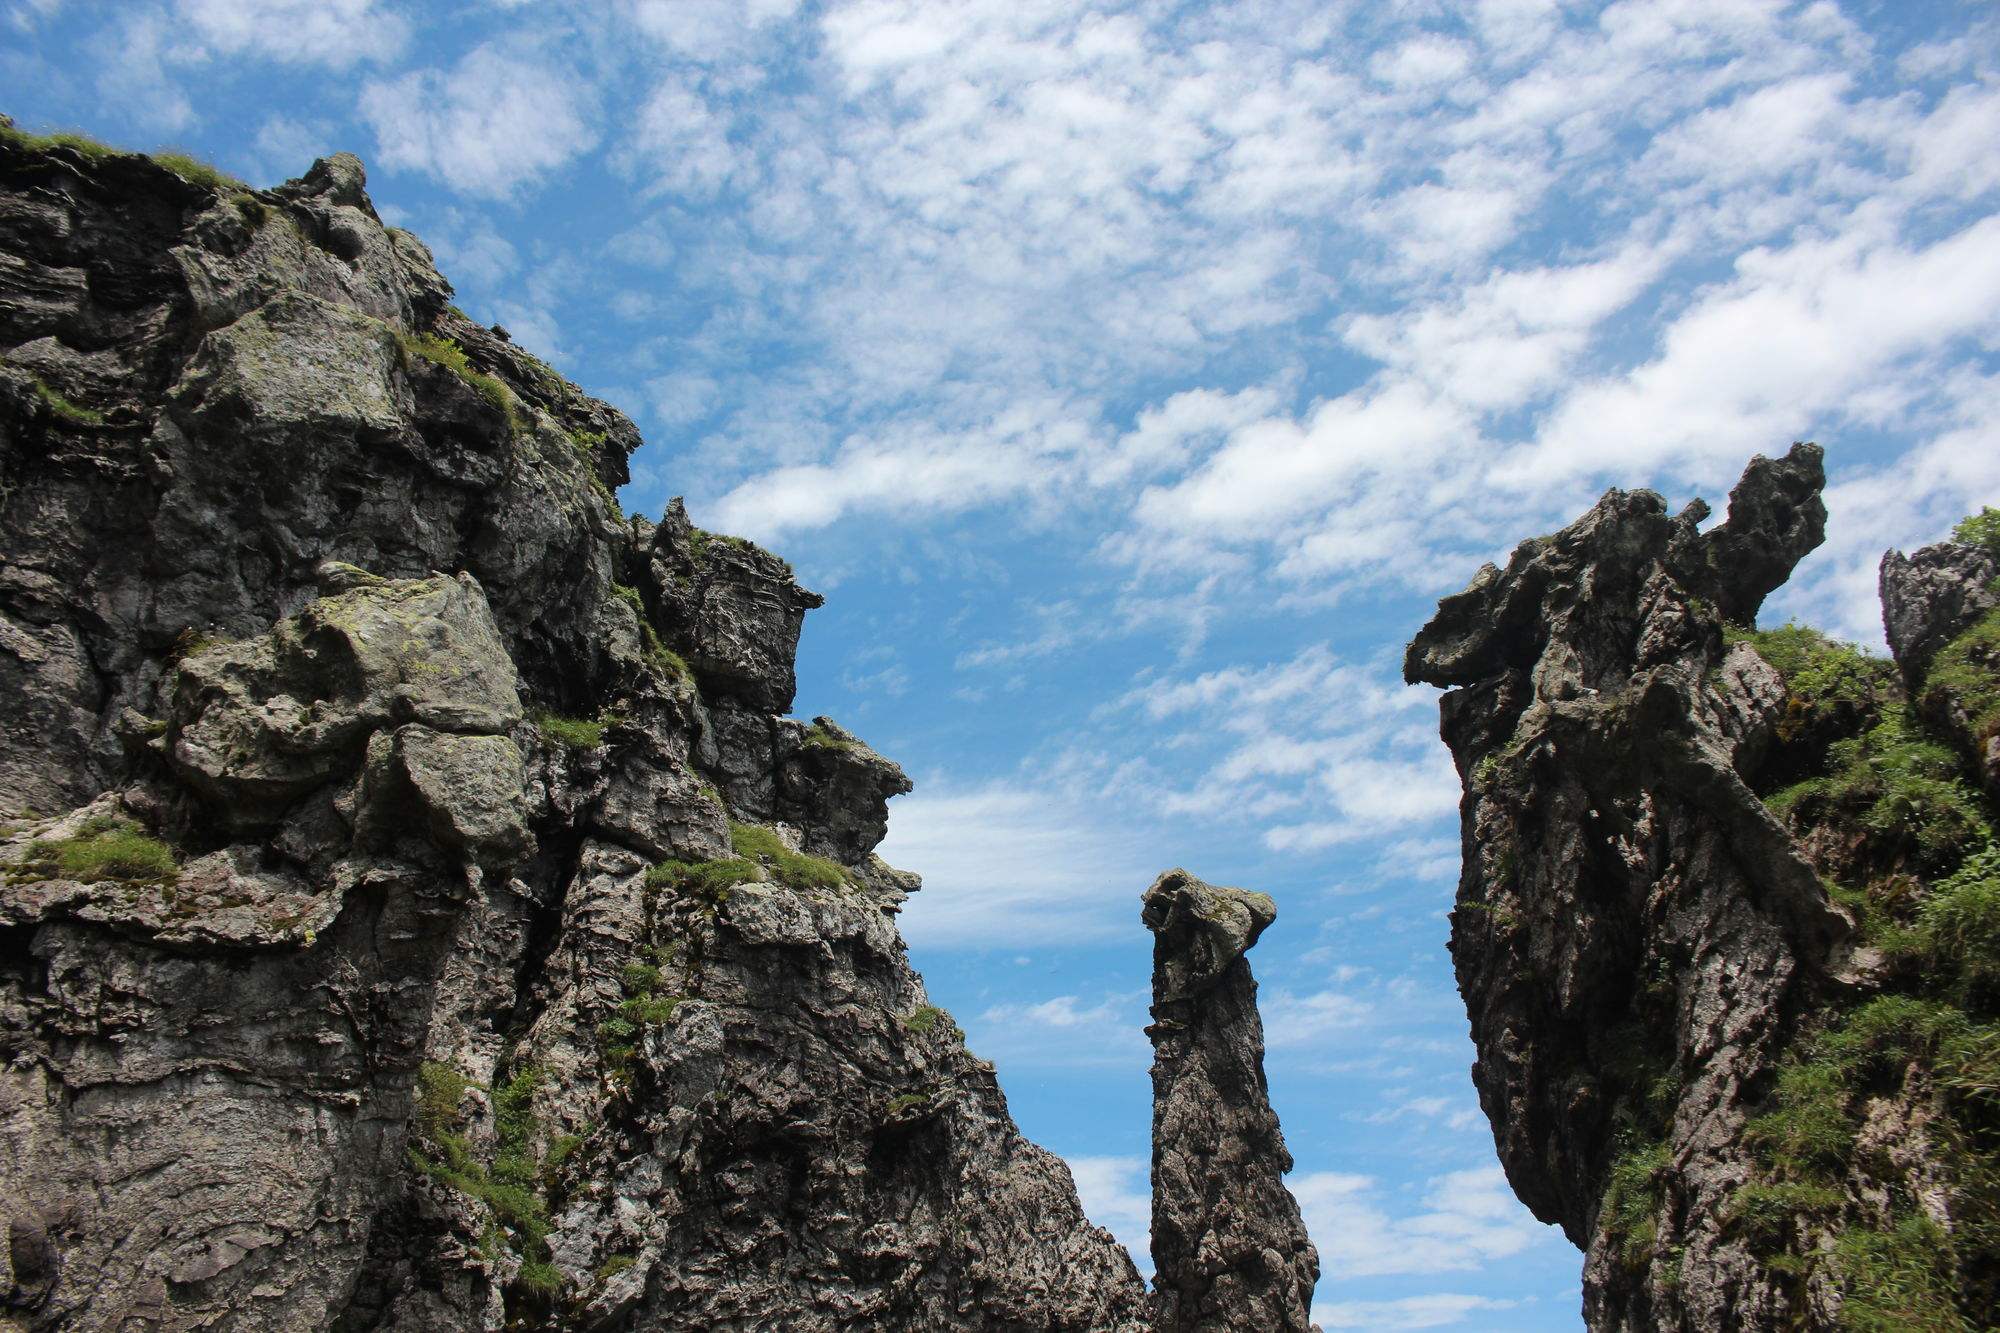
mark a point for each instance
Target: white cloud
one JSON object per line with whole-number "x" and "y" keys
{"x": 1795, "y": 340}
{"x": 1467, "y": 1220}
{"x": 287, "y": 147}
{"x": 1117, "y": 1195}
{"x": 1065, "y": 1032}
{"x": 135, "y": 75}
{"x": 1007, "y": 866}
{"x": 496, "y": 121}
{"x": 334, "y": 33}
{"x": 1433, "y": 1311}
{"x": 1293, "y": 1021}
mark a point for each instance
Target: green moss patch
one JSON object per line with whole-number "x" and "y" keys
{"x": 572, "y": 733}
{"x": 1967, "y": 672}
{"x": 801, "y": 871}
{"x": 104, "y": 849}
{"x": 65, "y": 410}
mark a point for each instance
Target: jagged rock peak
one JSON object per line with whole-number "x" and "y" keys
{"x": 1703, "y": 867}
{"x": 1933, "y": 596}
{"x": 1230, "y": 1250}
{"x": 1510, "y": 618}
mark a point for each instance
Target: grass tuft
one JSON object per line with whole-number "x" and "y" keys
{"x": 199, "y": 173}
{"x": 444, "y": 352}
{"x": 801, "y": 871}
{"x": 104, "y": 849}
{"x": 572, "y": 733}
{"x": 40, "y": 143}
{"x": 710, "y": 881}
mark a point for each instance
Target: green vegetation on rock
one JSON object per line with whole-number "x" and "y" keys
{"x": 1823, "y": 677}
{"x": 1980, "y": 529}
{"x": 646, "y": 1004}
{"x": 1967, "y": 672}
{"x": 797, "y": 869}
{"x": 710, "y": 881}
{"x": 41, "y": 143}
{"x": 572, "y": 733}
{"x": 1897, "y": 784}
{"x": 656, "y": 651}
{"x": 444, "y": 352}
{"x": 1929, "y": 1036}
{"x": 822, "y": 737}
{"x": 197, "y": 172}
{"x": 103, "y": 848}
{"x": 65, "y": 409}
{"x": 514, "y": 1187}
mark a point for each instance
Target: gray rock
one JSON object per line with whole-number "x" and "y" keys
{"x": 1630, "y": 916}
{"x": 1229, "y": 1246}
{"x": 1930, "y": 598}
{"x": 418, "y": 1032}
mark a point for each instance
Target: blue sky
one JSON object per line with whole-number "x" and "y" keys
{"x": 1133, "y": 378}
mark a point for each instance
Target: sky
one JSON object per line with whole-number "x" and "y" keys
{"x": 1133, "y": 378}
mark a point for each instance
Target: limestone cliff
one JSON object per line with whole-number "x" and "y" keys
{"x": 416, "y": 910}
{"x": 1728, "y": 928}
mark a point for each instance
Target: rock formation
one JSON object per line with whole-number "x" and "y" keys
{"x": 416, "y": 911}
{"x": 1229, "y": 1246}
{"x": 1728, "y": 916}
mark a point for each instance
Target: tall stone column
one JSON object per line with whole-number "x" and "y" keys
{"x": 1229, "y": 1247}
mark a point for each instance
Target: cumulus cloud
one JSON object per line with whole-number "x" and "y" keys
{"x": 334, "y": 33}
{"x": 1006, "y": 866}
{"x": 1117, "y": 1195}
{"x": 1465, "y": 1220}
{"x": 494, "y": 122}
{"x": 1440, "y": 1310}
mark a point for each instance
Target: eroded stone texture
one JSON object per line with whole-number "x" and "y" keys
{"x": 424, "y": 1027}
{"x": 1229, "y": 1247}
{"x": 1631, "y": 917}
{"x": 1933, "y": 596}
{"x": 1643, "y": 944}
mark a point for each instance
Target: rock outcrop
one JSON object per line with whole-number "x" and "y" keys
{"x": 1229, "y": 1248}
{"x": 416, "y": 911}
{"x": 1724, "y": 930}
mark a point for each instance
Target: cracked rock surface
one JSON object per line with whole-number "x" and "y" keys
{"x": 1684, "y": 878}
{"x": 416, "y": 911}
{"x": 1229, "y": 1246}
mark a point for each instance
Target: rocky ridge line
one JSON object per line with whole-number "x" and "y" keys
{"x": 389, "y": 948}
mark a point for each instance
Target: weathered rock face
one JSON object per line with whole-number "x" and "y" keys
{"x": 1229, "y": 1247}
{"x": 415, "y": 912}
{"x": 1697, "y": 923}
